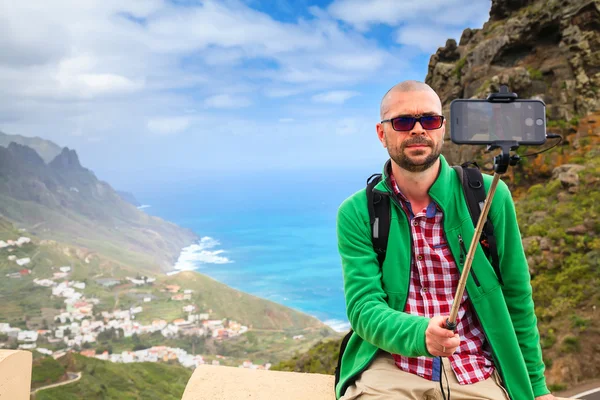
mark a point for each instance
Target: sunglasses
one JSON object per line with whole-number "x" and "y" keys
{"x": 428, "y": 122}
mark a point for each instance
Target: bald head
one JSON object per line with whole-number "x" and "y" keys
{"x": 404, "y": 87}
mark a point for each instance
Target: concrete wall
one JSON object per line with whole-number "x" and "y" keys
{"x": 15, "y": 374}
{"x": 224, "y": 383}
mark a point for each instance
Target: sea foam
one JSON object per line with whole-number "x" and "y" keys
{"x": 198, "y": 253}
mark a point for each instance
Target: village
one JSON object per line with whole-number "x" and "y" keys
{"x": 78, "y": 326}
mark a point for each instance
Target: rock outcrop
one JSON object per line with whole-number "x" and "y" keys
{"x": 549, "y": 50}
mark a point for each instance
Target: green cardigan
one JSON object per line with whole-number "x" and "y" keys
{"x": 375, "y": 297}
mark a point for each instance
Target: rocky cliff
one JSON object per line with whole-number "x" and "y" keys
{"x": 549, "y": 50}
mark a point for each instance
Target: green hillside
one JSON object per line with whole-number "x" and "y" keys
{"x": 271, "y": 325}
{"x": 111, "y": 381}
{"x": 320, "y": 359}
{"x": 48, "y": 256}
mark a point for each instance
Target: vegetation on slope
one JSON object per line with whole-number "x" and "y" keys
{"x": 110, "y": 381}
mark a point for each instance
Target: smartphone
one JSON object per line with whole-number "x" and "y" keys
{"x": 476, "y": 121}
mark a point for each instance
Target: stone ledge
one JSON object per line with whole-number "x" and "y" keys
{"x": 15, "y": 374}
{"x": 224, "y": 383}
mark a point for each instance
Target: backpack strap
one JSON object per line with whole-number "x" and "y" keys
{"x": 379, "y": 217}
{"x": 474, "y": 191}
{"x": 339, "y": 363}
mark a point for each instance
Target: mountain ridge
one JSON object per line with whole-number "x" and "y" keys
{"x": 62, "y": 199}
{"x": 45, "y": 148}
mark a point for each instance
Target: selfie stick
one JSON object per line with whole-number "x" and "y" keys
{"x": 501, "y": 163}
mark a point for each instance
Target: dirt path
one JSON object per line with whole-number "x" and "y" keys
{"x": 74, "y": 377}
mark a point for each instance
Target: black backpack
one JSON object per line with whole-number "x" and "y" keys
{"x": 379, "y": 214}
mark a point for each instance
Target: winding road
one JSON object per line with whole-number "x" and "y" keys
{"x": 73, "y": 377}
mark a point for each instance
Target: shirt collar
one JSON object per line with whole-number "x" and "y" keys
{"x": 432, "y": 208}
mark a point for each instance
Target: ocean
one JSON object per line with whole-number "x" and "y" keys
{"x": 272, "y": 235}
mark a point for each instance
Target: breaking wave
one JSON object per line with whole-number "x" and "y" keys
{"x": 192, "y": 256}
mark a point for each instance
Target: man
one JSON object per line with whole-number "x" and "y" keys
{"x": 401, "y": 348}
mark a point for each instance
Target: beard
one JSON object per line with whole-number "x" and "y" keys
{"x": 397, "y": 154}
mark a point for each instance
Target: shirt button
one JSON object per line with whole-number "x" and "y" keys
{"x": 415, "y": 223}
{"x": 419, "y": 258}
{"x": 425, "y": 289}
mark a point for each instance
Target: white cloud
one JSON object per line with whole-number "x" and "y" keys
{"x": 334, "y": 97}
{"x": 114, "y": 71}
{"x": 92, "y": 49}
{"x": 169, "y": 125}
{"x": 427, "y": 39}
{"x": 363, "y": 14}
{"x": 227, "y": 101}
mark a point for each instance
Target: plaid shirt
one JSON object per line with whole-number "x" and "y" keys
{"x": 433, "y": 282}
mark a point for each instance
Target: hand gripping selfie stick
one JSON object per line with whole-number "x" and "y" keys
{"x": 501, "y": 163}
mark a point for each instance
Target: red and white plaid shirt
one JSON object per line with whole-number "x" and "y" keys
{"x": 434, "y": 279}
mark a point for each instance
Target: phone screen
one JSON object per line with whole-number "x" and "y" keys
{"x": 484, "y": 122}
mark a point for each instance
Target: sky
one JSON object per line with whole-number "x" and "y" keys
{"x": 149, "y": 91}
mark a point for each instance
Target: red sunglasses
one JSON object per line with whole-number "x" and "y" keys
{"x": 404, "y": 123}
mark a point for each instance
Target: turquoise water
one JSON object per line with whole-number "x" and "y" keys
{"x": 269, "y": 236}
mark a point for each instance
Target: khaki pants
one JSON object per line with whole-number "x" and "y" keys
{"x": 384, "y": 380}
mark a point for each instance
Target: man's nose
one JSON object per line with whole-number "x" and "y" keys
{"x": 417, "y": 129}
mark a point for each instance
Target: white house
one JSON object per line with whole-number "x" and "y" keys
{"x": 27, "y": 336}
{"x": 89, "y": 338}
{"x": 189, "y": 308}
{"x": 23, "y": 240}
{"x": 127, "y": 357}
{"x": 65, "y": 269}
{"x": 45, "y": 351}
{"x": 159, "y": 324}
{"x": 136, "y": 281}
{"x": 170, "y": 331}
{"x": 23, "y": 261}
{"x": 44, "y": 282}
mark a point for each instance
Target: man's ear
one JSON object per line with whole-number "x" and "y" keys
{"x": 381, "y": 134}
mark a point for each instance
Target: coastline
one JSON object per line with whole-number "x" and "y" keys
{"x": 202, "y": 244}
